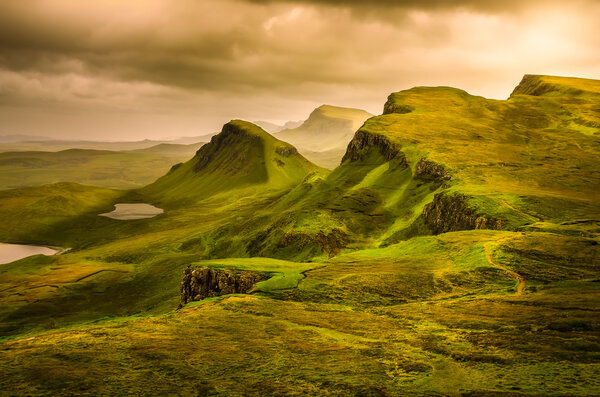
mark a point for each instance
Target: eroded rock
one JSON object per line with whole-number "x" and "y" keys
{"x": 429, "y": 171}
{"x": 363, "y": 141}
{"x": 451, "y": 212}
{"x": 206, "y": 282}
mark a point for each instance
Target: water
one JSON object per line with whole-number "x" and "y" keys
{"x": 12, "y": 252}
{"x": 133, "y": 211}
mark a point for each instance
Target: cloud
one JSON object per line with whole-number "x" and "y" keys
{"x": 211, "y": 60}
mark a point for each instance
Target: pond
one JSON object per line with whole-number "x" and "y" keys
{"x": 127, "y": 212}
{"x": 12, "y": 252}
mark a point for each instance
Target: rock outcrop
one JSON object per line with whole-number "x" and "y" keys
{"x": 330, "y": 243}
{"x": 363, "y": 141}
{"x": 430, "y": 171}
{"x": 206, "y": 282}
{"x": 392, "y": 107}
{"x": 451, "y": 212}
{"x": 286, "y": 151}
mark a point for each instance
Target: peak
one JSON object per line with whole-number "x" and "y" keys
{"x": 427, "y": 98}
{"x": 241, "y": 127}
{"x": 339, "y": 112}
{"x": 544, "y": 85}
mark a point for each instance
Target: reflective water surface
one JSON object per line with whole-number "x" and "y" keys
{"x": 133, "y": 211}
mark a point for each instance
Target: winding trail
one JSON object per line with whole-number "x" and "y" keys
{"x": 521, "y": 212}
{"x": 522, "y": 280}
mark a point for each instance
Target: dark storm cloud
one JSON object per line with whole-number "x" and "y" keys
{"x": 206, "y": 61}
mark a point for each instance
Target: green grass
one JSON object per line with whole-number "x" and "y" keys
{"x": 112, "y": 169}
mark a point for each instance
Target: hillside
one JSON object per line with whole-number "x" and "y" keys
{"x": 242, "y": 156}
{"x": 454, "y": 251}
{"x": 323, "y": 137}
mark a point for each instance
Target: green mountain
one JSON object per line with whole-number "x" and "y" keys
{"x": 323, "y": 137}
{"x": 454, "y": 251}
{"x": 242, "y": 157}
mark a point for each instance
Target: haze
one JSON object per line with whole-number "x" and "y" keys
{"x": 116, "y": 70}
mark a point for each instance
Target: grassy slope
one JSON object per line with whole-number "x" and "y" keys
{"x": 420, "y": 316}
{"x": 323, "y": 137}
{"x": 243, "y": 157}
{"x": 520, "y": 160}
{"x": 123, "y": 170}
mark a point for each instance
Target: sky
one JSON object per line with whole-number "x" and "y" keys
{"x": 129, "y": 70}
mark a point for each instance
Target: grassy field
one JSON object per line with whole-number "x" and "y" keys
{"x": 113, "y": 169}
{"x": 366, "y": 296}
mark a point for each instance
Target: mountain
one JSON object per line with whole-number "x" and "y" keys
{"x": 241, "y": 156}
{"x": 274, "y": 128}
{"x": 269, "y": 127}
{"x": 323, "y": 137}
{"x": 441, "y": 160}
{"x": 454, "y": 251}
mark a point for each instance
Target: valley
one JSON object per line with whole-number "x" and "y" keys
{"x": 452, "y": 247}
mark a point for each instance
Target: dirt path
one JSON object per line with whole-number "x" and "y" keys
{"x": 512, "y": 273}
{"x": 520, "y": 212}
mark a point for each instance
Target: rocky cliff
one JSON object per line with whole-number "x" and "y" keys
{"x": 206, "y": 282}
{"x": 430, "y": 171}
{"x": 363, "y": 141}
{"x": 451, "y": 212}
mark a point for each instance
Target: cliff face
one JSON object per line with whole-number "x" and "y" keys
{"x": 363, "y": 141}
{"x": 451, "y": 212}
{"x": 206, "y": 282}
{"x": 430, "y": 171}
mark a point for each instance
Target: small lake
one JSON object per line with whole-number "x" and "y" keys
{"x": 127, "y": 212}
{"x": 12, "y": 252}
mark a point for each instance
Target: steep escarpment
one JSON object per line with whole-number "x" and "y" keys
{"x": 206, "y": 282}
{"x": 363, "y": 141}
{"x": 451, "y": 212}
{"x": 429, "y": 171}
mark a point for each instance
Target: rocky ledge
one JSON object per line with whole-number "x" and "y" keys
{"x": 430, "y": 171}
{"x": 363, "y": 141}
{"x": 451, "y": 212}
{"x": 206, "y": 282}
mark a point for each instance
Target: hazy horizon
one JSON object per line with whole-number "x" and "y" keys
{"x": 122, "y": 72}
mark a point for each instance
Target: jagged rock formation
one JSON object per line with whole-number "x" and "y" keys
{"x": 430, "y": 171}
{"x": 363, "y": 141}
{"x": 330, "y": 243}
{"x": 451, "y": 212}
{"x": 207, "y": 282}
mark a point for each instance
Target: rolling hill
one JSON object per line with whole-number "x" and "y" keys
{"x": 113, "y": 169}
